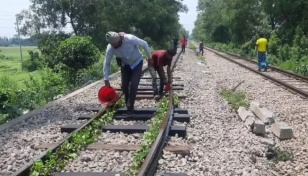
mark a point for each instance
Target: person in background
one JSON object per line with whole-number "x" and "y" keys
{"x": 175, "y": 44}
{"x": 184, "y": 44}
{"x": 200, "y": 48}
{"x": 160, "y": 59}
{"x": 125, "y": 48}
{"x": 262, "y": 49}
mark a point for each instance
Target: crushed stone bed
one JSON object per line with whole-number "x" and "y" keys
{"x": 220, "y": 143}
{"x": 288, "y": 107}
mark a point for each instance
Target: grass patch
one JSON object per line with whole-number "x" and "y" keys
{"x": 200, "y": 57}
{"x": 276, "y": 154}
{"x": 14, "y": 54}
{"x": 69, "y": 150}
{"x": 10, "y": 64}
{"x": 192, "y": 46}
{"x": 149, "y": 137}
{"x": 235, "y": 99}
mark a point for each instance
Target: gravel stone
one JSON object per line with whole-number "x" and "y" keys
{"x": 17, "y": 143}
{"x": 220, "y": 143}
{"x": 287, "y": 107}
{"x": 104, "y": 161}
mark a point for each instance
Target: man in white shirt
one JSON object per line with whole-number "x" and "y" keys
{"x": 125, "y": 47}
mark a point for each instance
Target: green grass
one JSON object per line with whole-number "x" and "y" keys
{"x": 235, "y": 99}
{"x": 10, "y": 65}
{"x": 192, "y": 46}
{"x": 14, "y": 53}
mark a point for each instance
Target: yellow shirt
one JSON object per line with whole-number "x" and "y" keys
{"x": 262, "y": 43}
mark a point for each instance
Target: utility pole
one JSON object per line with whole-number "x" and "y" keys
{"x": 19, "y": 41}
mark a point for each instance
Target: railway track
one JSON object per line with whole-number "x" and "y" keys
{"x": 293, "y": 82}
{"x": 167, "y": 128}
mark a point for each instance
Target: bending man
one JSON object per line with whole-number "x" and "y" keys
{"x": 161, "y": 58}
{"x": 125, "y": 48}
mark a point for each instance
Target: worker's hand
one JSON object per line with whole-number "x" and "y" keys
{"x": 107, "y": 83}
{"x": 167, "y": 87}
{"x": 150, "y": 62}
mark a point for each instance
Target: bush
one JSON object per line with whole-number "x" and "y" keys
{"x": 15, "y": 101}
{"x": 48, "y": 46}
{"x": 302, "y": 70}
{"x": 77, "y": 53}
{"x": 274, "y": 44}
{"x": 288, "y": 65}
{"x": 34, "y": 63}
{"x": 95, "y": 72}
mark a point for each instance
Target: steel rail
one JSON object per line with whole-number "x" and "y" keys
{"x": 148, "y": 167}
{"x": 26, "y": 169}
{"x": 295, "y": 89}
{"x": 291, "y": 74}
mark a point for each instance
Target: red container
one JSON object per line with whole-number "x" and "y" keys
{"x": 168, "y": 88}
{"x": 107, "y": 95}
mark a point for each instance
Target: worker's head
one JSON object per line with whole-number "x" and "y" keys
{"x": 262, "y": 35}
{"x": 114, "y": 39}
{"x": 170, "y": 53}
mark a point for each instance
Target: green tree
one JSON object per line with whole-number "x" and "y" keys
{"x": 77, "y": 53}
{"x": 156, "y": 19}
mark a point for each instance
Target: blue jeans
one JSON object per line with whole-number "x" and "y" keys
{"x": 262, "y": 63}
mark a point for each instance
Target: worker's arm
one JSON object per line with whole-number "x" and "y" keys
{"x": 151, "y": 68}
{"x": 169, "y": 74}
{"x": 109, "y": 54}
{"x": 161, "y": 72}
{"x": 141, "y": 43}
{"x": 257, "y": 45}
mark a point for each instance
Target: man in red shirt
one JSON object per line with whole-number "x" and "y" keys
{"x": 184, "y": 43}
{"x": 160, "y": 59}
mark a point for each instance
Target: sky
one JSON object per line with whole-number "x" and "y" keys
{"x": 9, "y": 8}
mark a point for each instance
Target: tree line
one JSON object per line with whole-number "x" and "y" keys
{"x": 67, "y": 61}
{"x": 154, "y": 20}
{"x": 5, "y": 41}
{"x": 235, "y": 25}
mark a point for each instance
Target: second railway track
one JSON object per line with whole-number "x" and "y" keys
{"x": 289, "y": 80}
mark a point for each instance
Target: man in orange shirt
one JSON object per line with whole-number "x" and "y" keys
{"x": 184, "y": 43}
{"x": 160, "y": 59}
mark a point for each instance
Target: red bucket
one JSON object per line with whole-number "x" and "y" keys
{"x": 107, "y": 95}
{"x": 168, "y": 88}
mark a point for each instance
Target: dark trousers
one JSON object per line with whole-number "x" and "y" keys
{"x": 200, "y": 51}
{"x": 161, "y": 83}
{"x": 130, "y": 82}
{"x": 183, "y": 48}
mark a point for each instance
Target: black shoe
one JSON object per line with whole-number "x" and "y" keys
{"x": 157, "y": 97}
{"x": 130, "y": 114}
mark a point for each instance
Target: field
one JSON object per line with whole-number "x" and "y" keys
{"x": 10, "y": 66}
